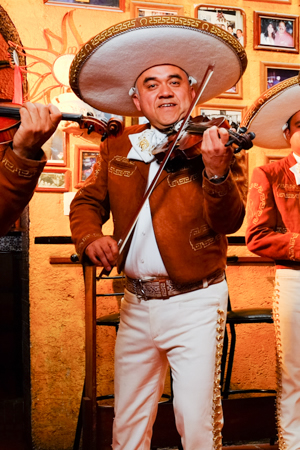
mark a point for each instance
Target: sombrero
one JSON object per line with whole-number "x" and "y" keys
{"x": 268, "y": 114}
{"x": 108, "y": 65}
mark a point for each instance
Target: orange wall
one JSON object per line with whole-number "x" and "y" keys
{"x": 56, "y": 292}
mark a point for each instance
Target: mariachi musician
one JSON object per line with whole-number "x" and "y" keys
{"x": 274, "y": 231}
{"x": 22, "y": 162}
{"x": 174, "y": 307}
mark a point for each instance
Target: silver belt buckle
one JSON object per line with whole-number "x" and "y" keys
{"x": 140, "y": 288}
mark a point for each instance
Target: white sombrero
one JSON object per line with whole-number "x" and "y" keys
{"x": 108, "y": 65}
{"x": 269, "y": 113}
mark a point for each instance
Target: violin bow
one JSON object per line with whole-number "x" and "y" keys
{"x": 122, "y": 241}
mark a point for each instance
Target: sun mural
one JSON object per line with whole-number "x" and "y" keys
{"x": 48, "y": 67}
{"x": 47, "y": 70}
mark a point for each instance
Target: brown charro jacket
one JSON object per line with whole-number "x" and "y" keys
{"x": 273, "y": 213}
{"x": 18, "y": 178}
{"x": 190, "y": 215}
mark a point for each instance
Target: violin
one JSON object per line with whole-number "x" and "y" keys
{"x": 188, "y": 145}
{"x": 10, "y": 114}
{"x": 193, "y": 134}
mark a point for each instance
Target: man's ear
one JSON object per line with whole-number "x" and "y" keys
{"x": 193, "y": 93}
{"x": 287, "y": 134}
{"x": 136, "y": 101}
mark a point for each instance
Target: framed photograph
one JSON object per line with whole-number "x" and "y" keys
{"x": 56, "y": 148}
{"x": 143, "y": 9}
{"x": 230, "y": 19}
{"x": 275, "y": 155}
{"x": 234, "y": 114}
{"x": 85, "y": 158}
{"x": 91, "y": 4}
{"x": 287, "y": 2}
{"x": 274, "y": 73}
{"x": 235, "y": 92}
{"x": 276, "y": 32}
{"x": 54, "y": 180}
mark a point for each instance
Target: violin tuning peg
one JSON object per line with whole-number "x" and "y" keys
{"x": 104, "y": 136}
{"x": 237, "y": 150}
{"x": 231, "y": 141}
{"x": 90, "y": 129}
{"x": 243, "y": 129}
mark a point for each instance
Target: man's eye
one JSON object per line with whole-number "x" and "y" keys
{"x": 175, "y": 83}
{"x": 151, "y": 86}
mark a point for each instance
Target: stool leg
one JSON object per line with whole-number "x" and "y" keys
{"x": 79, "y": 424}
{"x": 230, "y": 361}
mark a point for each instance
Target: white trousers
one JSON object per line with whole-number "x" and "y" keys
{"x": 287, "y": 325}
{"x": 187, "y": 332}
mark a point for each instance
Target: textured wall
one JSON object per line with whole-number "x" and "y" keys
{"x": 56, "y": 292}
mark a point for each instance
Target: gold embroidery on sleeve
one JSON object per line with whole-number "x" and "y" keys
{"x": 262, "y": 203}
{"x": 292, "y": 246}
{"x": 20, "y": 172}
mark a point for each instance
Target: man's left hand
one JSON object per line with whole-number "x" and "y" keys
{"x": 215, "y": 155}
{"x": 38, "y": 123}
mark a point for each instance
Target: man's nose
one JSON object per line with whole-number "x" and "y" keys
{"x": 165, "y": 90}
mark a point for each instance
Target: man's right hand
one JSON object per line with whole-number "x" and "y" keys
{"x": 103, "y": 252}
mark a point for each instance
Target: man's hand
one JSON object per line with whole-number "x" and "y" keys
{"x": 38, "y": 123}
{"x": 215, "y": 155}
{"x": 103, "y": 252}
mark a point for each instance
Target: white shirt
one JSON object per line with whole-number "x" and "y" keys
{"x": 296, "y": 168}
{"x": 143, "y": 259}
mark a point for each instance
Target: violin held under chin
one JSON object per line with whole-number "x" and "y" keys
{"x": 192, "y": 135}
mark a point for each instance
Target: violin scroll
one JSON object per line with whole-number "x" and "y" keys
{"x": 241, "y": 138}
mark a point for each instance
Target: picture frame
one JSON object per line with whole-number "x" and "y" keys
{"x": 144, "y": 9}
{"x": 56, "y": 148}
{"x": 228, "y": 18}
{"x": 85, "y": 158}
{"x": 287, "y": 2}
{"x": 54, "y": 180}
{"x": 233, "y": 113}
{"x": 276, "y": 32}
{"x": 110, "y": 5}
{"x": 236, "y": 92}
{"x": 275, "y": 155}
{"x": 273, "y": 73}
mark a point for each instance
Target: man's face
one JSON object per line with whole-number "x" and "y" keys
{"x": 281, "y": 27}
{"x": 293, "y": 133}
{"x": 164, "y": 95}
{"x": 239, "y": 33}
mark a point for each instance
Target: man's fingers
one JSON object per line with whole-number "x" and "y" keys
{"x": 103, "y": 252}
{"x": 223, "y": 133}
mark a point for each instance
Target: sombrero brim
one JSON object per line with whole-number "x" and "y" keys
{"x": 107, "y": 66}
{"x": 271, "y": 111}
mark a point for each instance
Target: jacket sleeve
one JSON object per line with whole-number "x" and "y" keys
{"x": 90, "y": 208}
{"x": 18, "y": 179}
{"x": 224, "y": 203}
{"x": 263, "y": 235}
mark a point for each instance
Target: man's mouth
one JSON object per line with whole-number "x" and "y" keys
{"x": 167, "y": 105}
